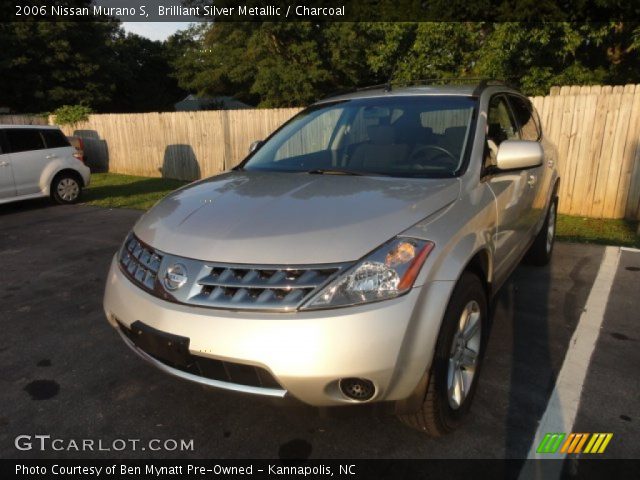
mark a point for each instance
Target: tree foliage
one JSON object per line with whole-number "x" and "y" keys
{"x": 291, "y": 64}
{"x": 143, "y": 75}
{"x": 44, "y": 65}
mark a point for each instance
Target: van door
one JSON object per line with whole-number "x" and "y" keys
{"x": 7, "y": 184}
{"x": 28, "y": 158}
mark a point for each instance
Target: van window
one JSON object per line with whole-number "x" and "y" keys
{"x": 54, "y": 138}
{"x": 22, "y": 140}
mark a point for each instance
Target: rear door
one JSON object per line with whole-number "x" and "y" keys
{"x": 28, "y": 158}
{"x": 7, "y": 184}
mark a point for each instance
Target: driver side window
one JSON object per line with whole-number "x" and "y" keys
{"x": 500, "y": 127}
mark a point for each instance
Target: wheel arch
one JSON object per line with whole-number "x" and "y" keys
{"x": 67, "y": 171}
{"x": 481, "y": 263}
{"x": 556, "y": 188}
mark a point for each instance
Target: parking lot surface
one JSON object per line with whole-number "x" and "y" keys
{"x": 64, "y": 372}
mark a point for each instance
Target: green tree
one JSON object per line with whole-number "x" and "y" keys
{"x": 290, "y": 69}
{"x": 47, "y": 64}
{"x": 213, "y": 60}
{"x": 144, "y": 81}
{"x": 537, "y": 56}
{"x": 440, "y": 50}
{"x": 280, "y": 64}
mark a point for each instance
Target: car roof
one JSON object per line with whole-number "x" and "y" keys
{"x": 47, "y": 127}
{"x": 467, "y": 90}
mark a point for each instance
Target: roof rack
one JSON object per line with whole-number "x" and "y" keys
{"x": 480, "y": 82}
{"x": 344, "y": 91}
{"x": 489, "y": 82}
{"x": 386, "y": 86}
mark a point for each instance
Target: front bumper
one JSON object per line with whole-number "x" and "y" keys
{"x": 389, "y": 343}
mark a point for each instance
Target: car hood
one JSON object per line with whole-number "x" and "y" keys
{"x": 289, "y": 218}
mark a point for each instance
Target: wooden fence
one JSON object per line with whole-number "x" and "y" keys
{"x": 22, "y": 120}
{"x": 596, "y": 130}
{"x": 183, "y": 145}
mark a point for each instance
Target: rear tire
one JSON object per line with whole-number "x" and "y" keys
{"x": 459, "y": 352}
{"x": 542, "y": 248}
{"x": 66, "y": 188}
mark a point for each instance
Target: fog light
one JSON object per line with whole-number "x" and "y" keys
{"x": 357, "y": 388}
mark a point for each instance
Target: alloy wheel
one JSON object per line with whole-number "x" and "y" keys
{"x": 464, "y": 354}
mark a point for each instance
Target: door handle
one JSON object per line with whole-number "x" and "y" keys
{"x": 48, "y": 157}
{"x": 532, "y": 180}
{"x": 4, "y": 164}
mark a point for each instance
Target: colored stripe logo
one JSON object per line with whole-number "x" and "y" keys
{"x": 574, "y": 443}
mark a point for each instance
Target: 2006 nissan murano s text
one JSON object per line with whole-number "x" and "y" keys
{"x": 351, "y": 257}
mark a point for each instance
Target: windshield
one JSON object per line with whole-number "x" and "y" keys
{"x": 413, "y": 136}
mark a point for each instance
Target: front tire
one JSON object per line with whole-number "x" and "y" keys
{"x": 453, "y": 378}
{"x": 66, "y": 188}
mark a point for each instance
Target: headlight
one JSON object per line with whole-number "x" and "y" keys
{"x": 385, "y": 273}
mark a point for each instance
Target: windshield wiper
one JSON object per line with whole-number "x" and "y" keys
{"x": 334, "y": 171}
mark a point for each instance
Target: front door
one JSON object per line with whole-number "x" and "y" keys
{"x": 514, "y": 191}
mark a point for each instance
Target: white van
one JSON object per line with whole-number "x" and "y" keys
{"x": 38, "y": 161}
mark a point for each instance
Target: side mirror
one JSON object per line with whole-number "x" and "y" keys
{"x": 518, "y": 154}
{"x": 255, "y": 145}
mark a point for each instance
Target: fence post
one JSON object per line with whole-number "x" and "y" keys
{"x": 226, "y": 135}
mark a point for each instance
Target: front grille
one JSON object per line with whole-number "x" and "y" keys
{"x": 285, "y": 288}
{"x": 225, "y": 286}
{"x": 216, "y": 369}
{"x": 140, "y": 263}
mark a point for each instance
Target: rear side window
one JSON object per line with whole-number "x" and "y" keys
{"x": 54, "y": 138}
{"x": 23, "y": 140}
{"x": 526, "y": 118}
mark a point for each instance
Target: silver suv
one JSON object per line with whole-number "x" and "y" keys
{"x": 351, "y": 257}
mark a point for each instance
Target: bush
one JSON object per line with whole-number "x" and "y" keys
{"x": 72, "y": 114}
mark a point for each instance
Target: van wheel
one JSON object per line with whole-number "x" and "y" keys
{"x": 540, "y": 251}
{"x": 66, "y": 188}
{"x": 456, "y": 364}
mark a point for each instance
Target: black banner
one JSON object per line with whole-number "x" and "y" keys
{"x": 321, "y": 10}
{"x": 337, "y": 469}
